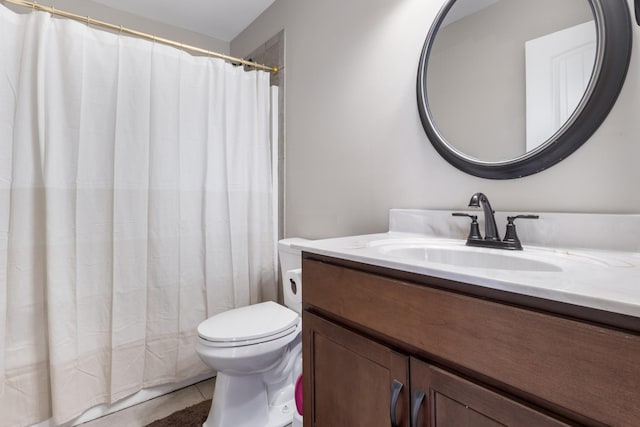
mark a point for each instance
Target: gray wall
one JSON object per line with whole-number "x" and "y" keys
{"x": 354, "y": 143}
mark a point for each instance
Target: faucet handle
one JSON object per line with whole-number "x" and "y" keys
{"x": 474, "y": 232}
{"x": 529, "y": 216}
{"x": 511, "y": 235}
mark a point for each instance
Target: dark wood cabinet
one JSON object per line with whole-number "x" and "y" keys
{"x": 478, "y": 361}
{"x": 353, "y": 380}
{"x": 356, "y": 381}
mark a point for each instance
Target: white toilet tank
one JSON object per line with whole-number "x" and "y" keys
{"x": 290, "y": 267}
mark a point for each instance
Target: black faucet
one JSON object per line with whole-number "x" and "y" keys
{"x": 490, "y": 228}
{"x": 491, "y": 239}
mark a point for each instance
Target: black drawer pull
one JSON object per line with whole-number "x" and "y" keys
{"x": 396, "y": 388}
{"x": 416, "y": 404}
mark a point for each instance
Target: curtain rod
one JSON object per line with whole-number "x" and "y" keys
{"x": 121, "y": 29}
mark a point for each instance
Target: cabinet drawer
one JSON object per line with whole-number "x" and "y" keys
{"x": 569, "y": 366}
{"x": 451, "y": 401}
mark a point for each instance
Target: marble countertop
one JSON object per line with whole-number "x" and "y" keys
{"x": 601, "y": 279}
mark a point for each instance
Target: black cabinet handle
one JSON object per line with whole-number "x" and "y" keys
{"x": 396, "y": 388}
{"x": 416, "y": 404}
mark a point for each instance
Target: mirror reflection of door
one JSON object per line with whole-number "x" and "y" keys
{"x": 558, "y": 70}
{"x": 476, "y": 79}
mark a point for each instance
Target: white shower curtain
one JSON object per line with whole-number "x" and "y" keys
{"x": 135, "y": 201}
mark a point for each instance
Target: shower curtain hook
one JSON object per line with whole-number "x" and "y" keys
{"x": 33, "y": 5}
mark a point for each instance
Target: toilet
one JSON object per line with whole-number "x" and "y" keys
{"x": 257, "y": 351}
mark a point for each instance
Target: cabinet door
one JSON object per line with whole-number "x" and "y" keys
{"x": 441, "y": 399}
{"x": 350, "y": 380}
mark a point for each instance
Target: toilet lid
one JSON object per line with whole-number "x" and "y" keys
{"x": 253, "y": 322}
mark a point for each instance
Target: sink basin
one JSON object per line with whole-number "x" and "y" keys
{"x": 467, "y": 257}
{"x": 454, "y": 252}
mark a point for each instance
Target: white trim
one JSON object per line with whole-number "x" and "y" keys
{"x": 274, "y": 171}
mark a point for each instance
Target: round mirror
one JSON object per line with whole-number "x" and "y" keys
{"x": 507, "y": 88}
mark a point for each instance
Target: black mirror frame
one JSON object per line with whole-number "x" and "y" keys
{"x": 613, "y": 21}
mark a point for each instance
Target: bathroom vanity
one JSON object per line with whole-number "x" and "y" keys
{"x": 395, "y": 338}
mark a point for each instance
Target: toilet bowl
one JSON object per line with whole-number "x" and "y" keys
{"x": 257, "y": 351}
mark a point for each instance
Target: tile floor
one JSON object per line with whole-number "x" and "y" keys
{"x": 154, "y": 409}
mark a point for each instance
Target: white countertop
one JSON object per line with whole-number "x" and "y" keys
{"x": 607, "y": 280}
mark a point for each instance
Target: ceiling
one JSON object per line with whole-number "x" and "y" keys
{"x": 220, "y": 19}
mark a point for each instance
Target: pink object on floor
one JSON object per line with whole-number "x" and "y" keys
{"x": 298, "y": 394}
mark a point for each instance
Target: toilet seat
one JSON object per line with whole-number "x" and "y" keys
{"x": 250, "y": 325}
